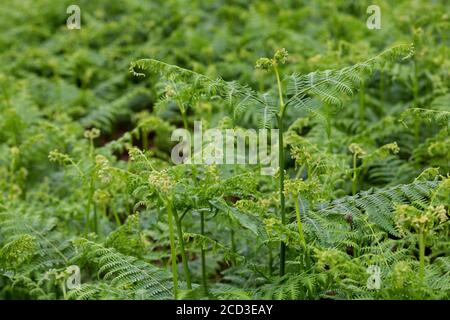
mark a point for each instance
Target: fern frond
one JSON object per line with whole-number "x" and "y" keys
{"x": 440, "y": 117}
{"x": 378, "y": 204}
{"x": 105, "y": 115}
{"x": 330, "y": 86}
{"x": 237, "y": 96}
{"x": 126, "y": 272}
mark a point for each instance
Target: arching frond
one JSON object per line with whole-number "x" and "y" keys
{"x": 331, "y": 86}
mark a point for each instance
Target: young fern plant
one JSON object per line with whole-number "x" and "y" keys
{"x": 160, "y": 186}
{"x": 279, "y": 57}
{"x": 93, "y": 172}
{"x": 366, "y": 158}
{"x": 425, "y": 221}
{"x": 303, "y": 92}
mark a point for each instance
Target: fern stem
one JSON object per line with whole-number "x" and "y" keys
{"x": 144, "y": 134}
{"x": 172, "y": 249}
{"x": 280, "y": 91}
{"x": 91, "y": 148}
{"x": 299, "y": 220}
{"x": 362, "y": 105}
{"x": 187, "y": 272}
{"x": 183, "y": 116}
{"x": 415, "y": 85}
{"x": 12, "y": 177}
{"x": 415, "y": 88}
{"x": 63, "y": 288}
{"x": 281, "y": 160}
{"x": 421, "y": 254}
{"x": 77, "y": 168}
{"x": 89, "y": 204}
{"x": 328, "y": 128}
{"x": 233, "y": 244}
{"x": 381, "y": 87}
{"x": 6, "y": 95}
{"x": 116, "y": 216}
{"x": 203, "y": 256}
{"x": 355, "y": 175}
{"x": 282, "y": 200}
{"x": 269, "y": 246}
{"x": 95, "y": 219}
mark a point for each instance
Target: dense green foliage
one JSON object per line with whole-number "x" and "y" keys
{"x": 86, "y": 178}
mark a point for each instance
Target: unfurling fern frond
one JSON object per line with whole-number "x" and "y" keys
{"x": 164, "y": 69}
{"x": 236, "y": 95}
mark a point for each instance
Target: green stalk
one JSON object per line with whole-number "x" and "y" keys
{"x": 173, "y": 253}
{"x": 12, "y": 177}
{"x": 421, "y": 254}
{"x": 269, "y": 246}
{"x": 89, "y": 204}
{"x": 179, "y": 224}
{"x": 299, "y": 220}
{"x": 328, "y": 128}
{"x": 91, "y": 149}
{"x": 95, "y": 219}
{"x": 184, "y": 259}
{"x": 381, "y": 87}
{"x": 416, "y": 100}
{"x": 233, "y": 244}
{"x": 355, "y": 175}
{"x": 281, "y": 159}
{"x": 127, "y": 196}
{"x": 415, "y": 86}
{"x": 362, "y": 105}
{"x": 183, "y": 115}
{"x": 194, "y": 176}
{"x": 116, "y": 216}
{"x": 6, "y": 95}
{"x": 63, "y": 288}
{"x": 144, "y": 134}
{"x": 203, "y": 256}
{"x": 91, "y": 190}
